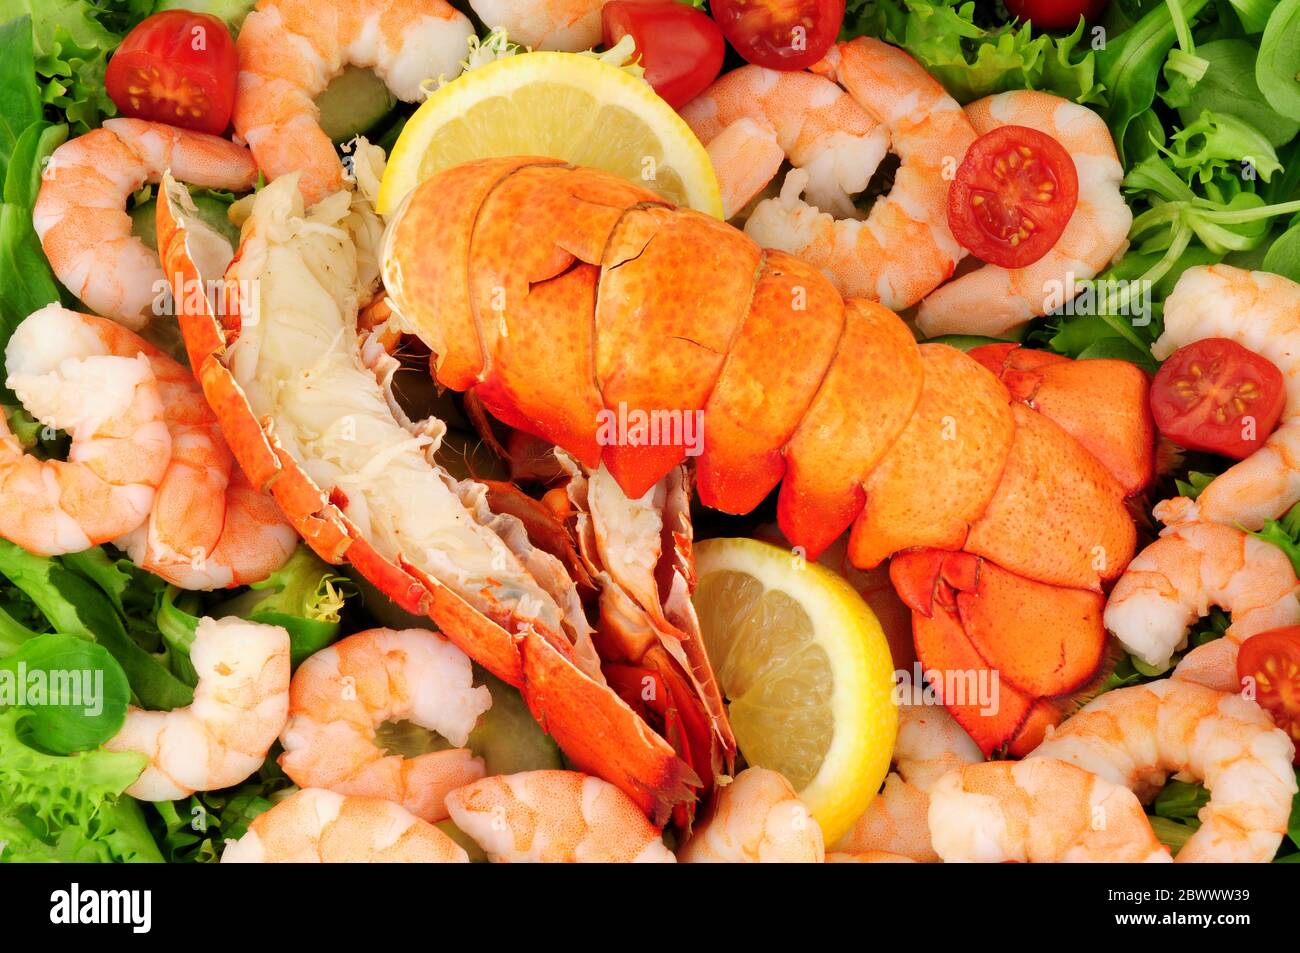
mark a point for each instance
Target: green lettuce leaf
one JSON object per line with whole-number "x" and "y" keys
{"x": 973, "y": 61}
{"x": 67, "y": 807}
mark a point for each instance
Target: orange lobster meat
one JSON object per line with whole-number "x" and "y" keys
{"x": 563, "y": 299}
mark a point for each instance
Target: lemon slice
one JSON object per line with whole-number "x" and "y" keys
{"x": 806, "y": 670}
{"x": 563, "y": 105}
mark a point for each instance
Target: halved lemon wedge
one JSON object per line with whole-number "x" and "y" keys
{"x": 563, "y": 105}
{"x": 806, "y": 670}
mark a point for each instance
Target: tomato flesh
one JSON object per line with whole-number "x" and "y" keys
{"x": 176, "y": 67}
{"x": 1056, "y": 14}
{"x": 780, "y": 34}
{"x": 1269, "y": 665}
{"x": 1012, "y": 197}
{"x": 1217, "y": 396}
{"x": 680, "y": 47}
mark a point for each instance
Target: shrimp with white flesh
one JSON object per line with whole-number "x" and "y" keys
{"x": 1039, "y": 811}
{"x": 1174, "y": 581}
{"x": 555, "y": 817}
{"x": 930, "y": 744}
{"x": 110, "y": 404}
{"x": 753, "y": 118}
{"x": 996, "y": 301}
{"x": 240, "y": 704}
{"x": 568, "y": 26}
{"x": 756, "y": 819}
{"x": 904, "y": 248}
{"x": 300, "y": 366}
{"x": 342, "y": 695}
{"x": 1261, "y": 312}
{"x": 314, "y": 826}
{"x": 289, "y": 50}
{"x": 207, "y": 528}
{"x": 1138, "y": 736}
{"x": 80, "y": 212}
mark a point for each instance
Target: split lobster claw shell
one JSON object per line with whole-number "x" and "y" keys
{"x": 598, "y": 731}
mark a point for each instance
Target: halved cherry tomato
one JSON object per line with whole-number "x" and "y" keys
{"x": 780, "y": 34}
{"x": 1056, "y": 14}
{"x": 1271, "y": 660}
{"x": 1217, "y": 396}
{"x": 681, "y": 48}
{"x": 176, "y": 67}
{"x": 1013, "y": 195}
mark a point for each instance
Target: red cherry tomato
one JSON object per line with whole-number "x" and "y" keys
{"x": 1056, "y": 14}
{"x": 176, "y": 67}
{"x": 1216, "y": 395}
{"x": 1269, "y": 664}
{"x": 780, "y": 34}
{"x": 681, "y": 48}
{"x": 1013, "y": 195}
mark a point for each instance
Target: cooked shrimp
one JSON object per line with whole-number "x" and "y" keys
{"x": 321, "y": 827}
{"x": 342, "y": 694}
{"x": 207, "y": 528}
{"x": 112, "y": 409}
{"x": 240, "y": 704}
{"x": 903, "y": 250}
{"x": 930, "y": 744}
{"x": 1175, "y": 580}
{"x": 868, "y": 857}
{"x": 756, "y": 819}
{"x": 1261, "y": 312}
{"x": 565, "y": 25}
{"x": 80, "y": 214}
{"x": 1138, "y": 736}
{"x": 752, "y": 118}
{"x": 555, "y": 817}
{"x": 289, "y": 50}
{"x": 997, "y": 301}
{"x": 1040, "y": 811}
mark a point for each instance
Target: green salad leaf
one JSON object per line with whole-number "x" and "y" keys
{"x": 82, "y": 692}
{"x": 71, "y": 46}
{"x": 1277, "y": 71}
{"x": 67, "y": 807}
{"x": 305, "y": 596}
{"x": 1229, "y": 88}
{"x": 973, "y": 61}
{"x": 1284, "y": 534}
{"x": 75, "y": 606}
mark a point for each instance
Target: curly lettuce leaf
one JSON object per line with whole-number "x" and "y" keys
{"x": 71, "y": 45}
{"x": 67, "y": 807}
{"x": 973, "y": 61}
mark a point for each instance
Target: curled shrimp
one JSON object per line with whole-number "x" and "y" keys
{"x": 996, "y": 301}
{"x": 1175, "y": 580}
{"x": 110, "y": 405}
{"x": 207, "y": 527}
{"x": 753, "y": 118}
{"x": 904, "y": 248}
{"x": 321, "y": 827}
{"x": 80, "y": 214}
{"x": 1137, "y": 736}
{"x": 1261, "y": 312}
{"x": 1039, "y": 811}
{"x": 555, "y": 816}
{"x": 289, "y": 50}
{"x": 930, "y": 744}
{"x": 565, "y": 25}
{"x": 240, "y": 704}
{"x": 343, "y": 694}
{"x": 757, "y": 818}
